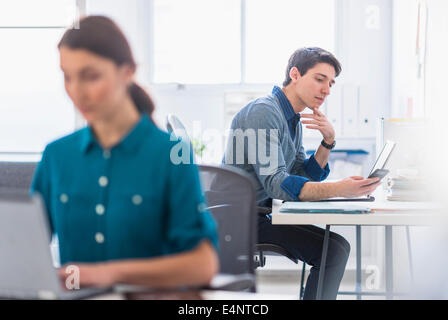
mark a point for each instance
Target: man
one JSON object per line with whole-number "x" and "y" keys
{"x": 272, "y": 125}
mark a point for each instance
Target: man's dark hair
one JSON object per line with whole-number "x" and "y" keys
{"x": 306, "y": 58}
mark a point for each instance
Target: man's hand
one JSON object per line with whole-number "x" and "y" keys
{"x": 319, "y": 122}
{"x": 357, "y": 186}
{"x": 348, "y": 188}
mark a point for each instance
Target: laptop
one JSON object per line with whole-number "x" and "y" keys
{"x": 26, "y": 265}
{"x": 378, "y": 167}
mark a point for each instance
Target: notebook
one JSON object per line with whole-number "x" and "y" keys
{"x": 322, "y": 207}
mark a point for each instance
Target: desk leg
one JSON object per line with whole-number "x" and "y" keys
{"x": 389, "y": 264}
{"x": 358, "y": 263}
{"x": 323, "y": 263}
{"x": 411, "y": 266}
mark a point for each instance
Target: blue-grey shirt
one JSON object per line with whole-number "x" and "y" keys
{"x": 265, "y": 140}
{"x": 127, "y": 202}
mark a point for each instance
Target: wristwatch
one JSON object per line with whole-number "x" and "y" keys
{"x": 328, "y": 146}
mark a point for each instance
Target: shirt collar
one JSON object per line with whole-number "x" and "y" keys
{"x": 131, "y": 141}
{"x": 286, "y": 106}
{"x": 87, "y": 139}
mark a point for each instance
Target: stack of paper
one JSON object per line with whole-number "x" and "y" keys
{"x": 404, "y": 189}
{"x": 323, "y": 207}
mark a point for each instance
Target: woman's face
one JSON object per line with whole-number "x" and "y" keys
{"x": 96, "y": 85}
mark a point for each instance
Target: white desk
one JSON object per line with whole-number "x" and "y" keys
{"x": 202, "y": 295}
{"x": 386, "y": 213}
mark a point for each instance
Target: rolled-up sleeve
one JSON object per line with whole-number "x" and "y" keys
{"x": 293, "y": 185}
{"x": 309, "y": 170}
{"x": 314, "y": 170}
{"x": 188, "y": 221}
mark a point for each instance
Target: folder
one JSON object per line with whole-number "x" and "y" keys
{"x": 323, "y": 207}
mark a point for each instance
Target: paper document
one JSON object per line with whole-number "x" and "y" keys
{"x": 323, "y": 207}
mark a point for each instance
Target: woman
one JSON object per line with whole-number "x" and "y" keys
{"x": 122, "y": 211}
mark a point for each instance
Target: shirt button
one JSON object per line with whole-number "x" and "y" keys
{"x": 106, "y": 154}
{"x": 63, "y": 198}
{"x": 137, "y": 199}
{"x": 99, "y": 237}
{"x": 202, "y": 207}
{"x": 103, "y": 181}
{"x": 99, "y": 209}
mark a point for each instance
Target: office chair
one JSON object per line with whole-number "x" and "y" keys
{"x": 230, "y": 196}
{"x": 16, "y": 177}
{"x": 261, "y": 248}
{"x": 174, "y": 125}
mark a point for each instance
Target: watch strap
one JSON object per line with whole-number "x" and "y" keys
{"x": 328, "y": 146}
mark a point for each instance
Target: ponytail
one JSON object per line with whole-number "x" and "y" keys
{"x": 141, "y": 99}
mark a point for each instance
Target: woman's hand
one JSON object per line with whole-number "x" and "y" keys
{"x": 320, "y": 122}
{"x": 86, "y": 275}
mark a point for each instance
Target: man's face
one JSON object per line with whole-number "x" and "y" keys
{"x": 313, "y": 87}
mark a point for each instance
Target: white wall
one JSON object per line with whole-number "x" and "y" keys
{"x": 429, "y": 101}
{"x": 134, "y": 18}
{"x": 436, "y": 53}
{"x": 365, "y": 53}
{"x": 431, "y": 247}
{"x": 405, "y": 84}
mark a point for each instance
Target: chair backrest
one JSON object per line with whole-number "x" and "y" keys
{"x": 230, "y": 196}
{"x": 174, "y": 125}
{"x": 16, "y": 176}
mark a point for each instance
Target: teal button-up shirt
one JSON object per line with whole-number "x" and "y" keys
{"x": 127, "y": 202}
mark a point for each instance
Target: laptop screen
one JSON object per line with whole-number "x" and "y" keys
{"x": 384, "y": 156}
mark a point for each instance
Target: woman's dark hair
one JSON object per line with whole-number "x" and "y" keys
{"x": 100, "y": 35}
{"x": 306, "y": 58}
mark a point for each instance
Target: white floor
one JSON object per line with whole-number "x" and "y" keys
{"x": 283, "y": 277}
{"x": 270, "y": 284}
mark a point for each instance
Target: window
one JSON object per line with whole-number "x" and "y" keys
{"x": 192, "y": 42}
{"x": 275, "y": 29}
{"x": 197, "y": 41}
{"x": 33, "y": 104}
{"x": 32, "y": 13}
